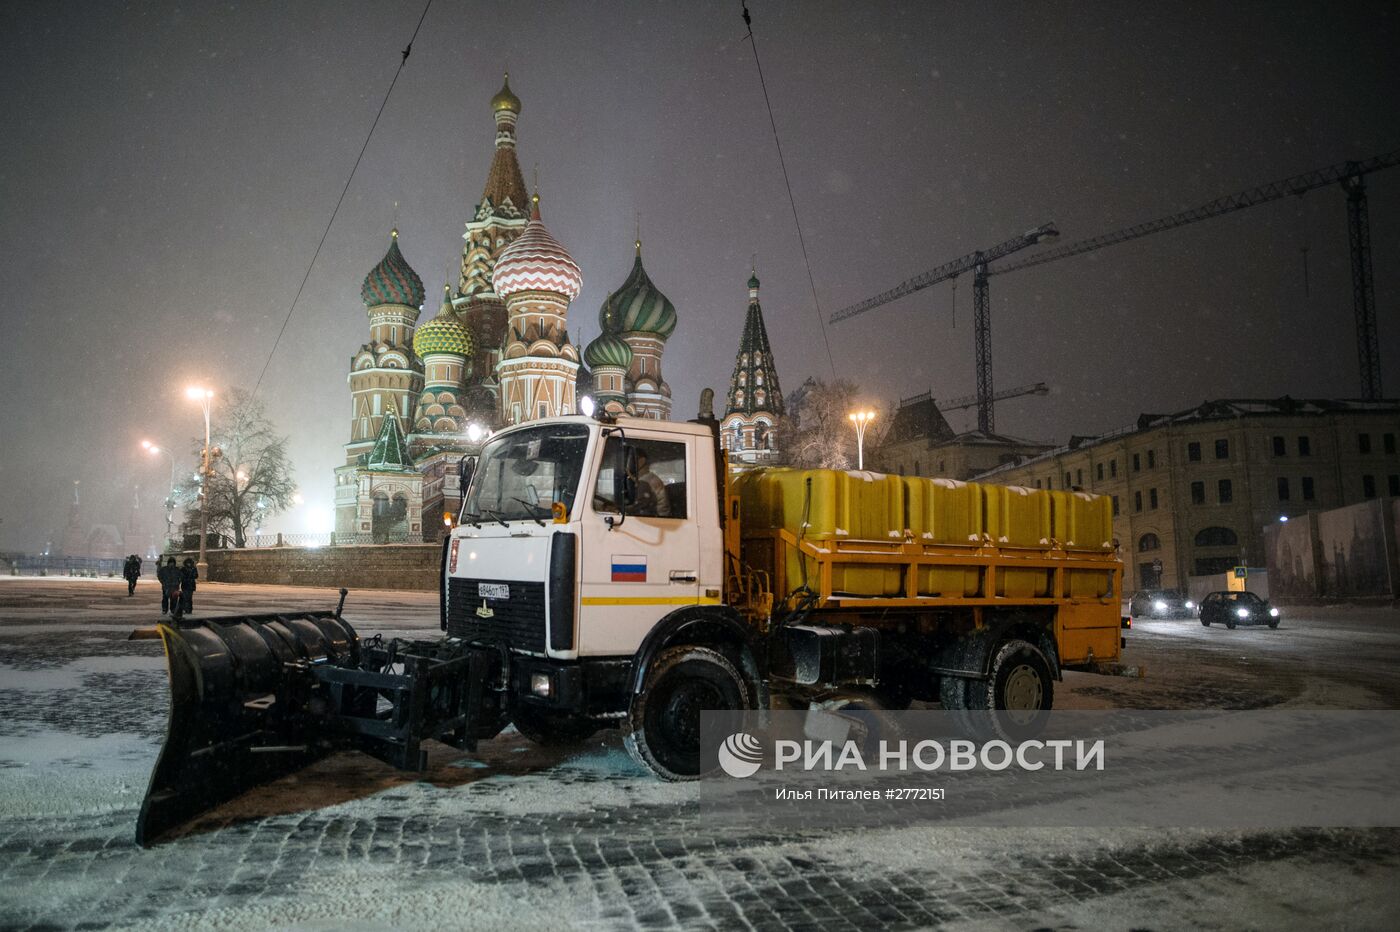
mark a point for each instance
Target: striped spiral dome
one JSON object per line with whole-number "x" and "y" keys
{"x": 608, "y": 350}
{"x": 393, "y": 280}
{"x": 638, "y": 306}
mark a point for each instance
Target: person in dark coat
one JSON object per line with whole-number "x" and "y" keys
{"x": 188, "y": 574}
{"x": 132, "y": 571}
{"x": 169, "y": 576}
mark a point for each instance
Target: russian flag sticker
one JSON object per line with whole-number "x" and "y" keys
{"x": 627, "y": 568}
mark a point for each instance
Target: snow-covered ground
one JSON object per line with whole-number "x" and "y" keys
{"x": 514, "y": 836}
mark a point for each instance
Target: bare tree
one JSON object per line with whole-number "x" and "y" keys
{"x": 818, "y": 433}
{"x": 252, "y": 478}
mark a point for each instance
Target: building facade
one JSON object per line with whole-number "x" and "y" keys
{"x": 920, "y": 442}
{"x": 1193, "y": 491}
{"x": 748, "y": 429}
{"x": 497, "y": 352}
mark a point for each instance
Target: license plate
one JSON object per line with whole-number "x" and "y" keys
{"x": 493, "y": 590}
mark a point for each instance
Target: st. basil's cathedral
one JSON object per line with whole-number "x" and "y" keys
{"x": 497, "y": 352}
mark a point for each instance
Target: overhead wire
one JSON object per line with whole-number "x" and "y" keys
{"x": 797, "y": 222}
{"x": 403, "y": 60}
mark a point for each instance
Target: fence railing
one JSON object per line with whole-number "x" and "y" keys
{"x": 43, "y": 565}
{"x": 330, "y": 540}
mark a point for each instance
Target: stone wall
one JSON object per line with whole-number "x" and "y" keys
{"x": 384, "y": 566}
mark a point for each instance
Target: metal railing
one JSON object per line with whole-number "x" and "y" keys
{"x": 46, "y": 565}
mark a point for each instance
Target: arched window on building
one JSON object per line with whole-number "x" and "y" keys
{"x": 1216, "y": 537}
{"x": 1149, "y": 541}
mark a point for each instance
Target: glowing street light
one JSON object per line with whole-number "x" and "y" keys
{"x": 155, "y": 450}
{"x": 586, "y": 406}
{"x": 861, "y": 419}
{"x": 205, "y": 397}
{"x": 475, "y": 432}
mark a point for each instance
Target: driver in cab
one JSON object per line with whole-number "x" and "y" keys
{"x": 651, "y": 490}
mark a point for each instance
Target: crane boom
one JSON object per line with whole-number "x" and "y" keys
{"x": 1275, "y": 190}
{"x": 948, "y": 270}
{"x": 967, "y": 401}
{"x": 1351, "y": 177}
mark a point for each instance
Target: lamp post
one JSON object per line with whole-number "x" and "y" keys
{"x": 153, "y": 449}
{"x": 861, "y": 419}
{"x": 204, "y": 396}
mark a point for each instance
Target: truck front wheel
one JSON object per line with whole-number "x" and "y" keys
{"x": 664, "y": 720}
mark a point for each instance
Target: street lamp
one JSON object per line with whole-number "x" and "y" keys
{"x": 152, "y": 449}
{"x": 475, "y": 432}
{"x": 206, "y": 470}
{"x": 861, "y": 419}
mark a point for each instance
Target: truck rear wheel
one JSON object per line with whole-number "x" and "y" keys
{"x": 664, "y": 720}
{"x": 553, "y": 729}
{"x": 1014, "y": 700}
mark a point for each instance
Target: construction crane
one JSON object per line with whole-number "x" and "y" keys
{"x": 967, "y": 401}
{"x": 1350, "y": 175}
{"x": 976, "y": 263}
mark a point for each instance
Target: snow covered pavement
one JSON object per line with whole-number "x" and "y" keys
{"x": 516, "y": 837}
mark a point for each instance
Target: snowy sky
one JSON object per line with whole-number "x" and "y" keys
{"x": 168, "y": 170}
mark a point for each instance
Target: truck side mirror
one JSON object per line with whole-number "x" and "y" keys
{"x": 466, "y": 468}
{"x": 624, "y": 478}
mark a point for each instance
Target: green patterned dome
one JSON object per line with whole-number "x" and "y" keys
{"x": 638, "y": 306}
{"x": 393, "y": 280}
{"x": 442, "y": 334}
{"x": 608, "y": 350}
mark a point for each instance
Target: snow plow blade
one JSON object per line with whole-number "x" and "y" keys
{"x": 235, "y": 717}
{"x": 256, "y": 697}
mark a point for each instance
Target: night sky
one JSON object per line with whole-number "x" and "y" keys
{"x": 168, "y": 169}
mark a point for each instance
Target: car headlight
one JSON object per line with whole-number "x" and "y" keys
{"x": 1159, "y": 605}
{"x": 1242, "y": 612}
{"x": 1273, "y": 613}
{"x": 1190, "y": 604}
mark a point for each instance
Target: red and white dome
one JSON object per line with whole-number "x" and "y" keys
{"x": 536, "y": 261}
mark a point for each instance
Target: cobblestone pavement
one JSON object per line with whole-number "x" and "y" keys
{"x": 516, "y": 837}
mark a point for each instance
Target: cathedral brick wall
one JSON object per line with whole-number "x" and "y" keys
{"x": 385, "y": 566}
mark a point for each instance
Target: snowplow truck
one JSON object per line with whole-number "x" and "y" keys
{"x": 619, "y": 573}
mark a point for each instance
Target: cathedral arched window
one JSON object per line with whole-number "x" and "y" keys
{"x": 758, "y": 397}
{"x": 758, "y": 377}
{"x": 758, "y": 359}
{"x": 739, "y": 396}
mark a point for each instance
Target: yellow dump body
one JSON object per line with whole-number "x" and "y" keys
{"x": 864, "y": 540}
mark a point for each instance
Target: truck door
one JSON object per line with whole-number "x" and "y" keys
{"x": 647, "y": 562}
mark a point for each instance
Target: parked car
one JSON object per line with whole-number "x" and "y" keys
{"x": 1237, "y": 608}
{"x": 1161, "y": 603}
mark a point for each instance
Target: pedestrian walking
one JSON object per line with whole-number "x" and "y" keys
{"x": 132, "y": 571}
{"x": 169, "y": 576}
{"x": 188, "y": 574}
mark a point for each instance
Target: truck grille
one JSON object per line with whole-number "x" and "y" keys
{"x": 518, "y": 620}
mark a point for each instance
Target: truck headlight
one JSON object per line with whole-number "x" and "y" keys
{"x": 1242, "y": 612}
{"x": 540, "y": 684}
{"x": 1159, "y": 605}
{"x": 1273, "y": 613}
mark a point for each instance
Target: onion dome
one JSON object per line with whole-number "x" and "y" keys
{"x": 504, "y": 99}
{"x": 393, "y": 280}
{"x": 536, "y": 261}
{"x": 608, "y": 350}
{"x": 638, "y": 306}
{"x": 442, "y": 334}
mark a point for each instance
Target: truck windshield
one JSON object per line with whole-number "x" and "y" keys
{"x": 522, "y": 473}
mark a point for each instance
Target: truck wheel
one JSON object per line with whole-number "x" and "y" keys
{"x": 664, "y": 720}
{"x": 553, "y": 729}
{"x": 1017, "y": 693}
